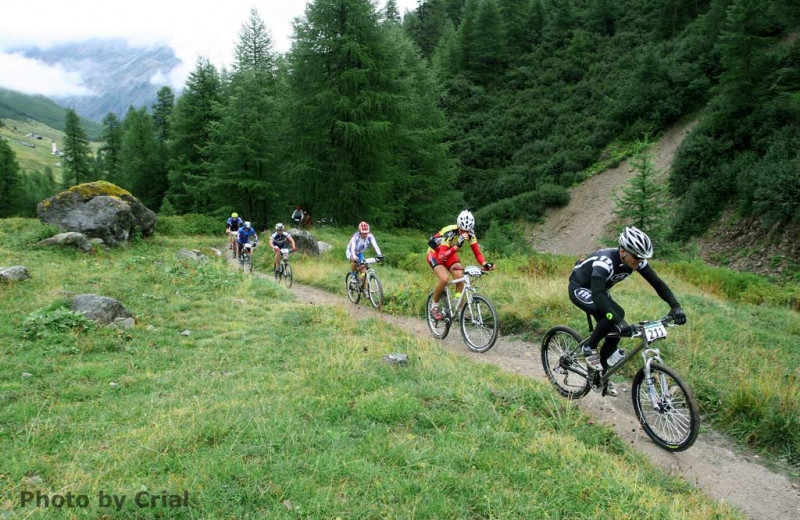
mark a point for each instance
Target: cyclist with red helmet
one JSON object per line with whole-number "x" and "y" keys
{"x": 359, "y": 242}
{"x": 443, "y": 258}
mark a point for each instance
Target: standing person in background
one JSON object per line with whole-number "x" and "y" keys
{"x": 298, "y": 215}
{"x": 443, "y": 258}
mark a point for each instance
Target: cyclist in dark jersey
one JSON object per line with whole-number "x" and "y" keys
{"x": 589, "y": 286}
{"x": 278, "y": 240}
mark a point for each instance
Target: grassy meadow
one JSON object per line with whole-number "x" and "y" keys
{"x": 230, "y": 395}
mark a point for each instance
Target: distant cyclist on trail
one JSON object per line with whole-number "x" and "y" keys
{"x": 442, "y": 255}
{"x": 589, "y": 286}
{"x": 232, "y": 225}
{"x": 243, "y": 236}
{"x": 359, "y": 242}
{"x": 277, "y": 241}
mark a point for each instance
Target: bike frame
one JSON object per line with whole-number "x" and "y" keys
{"x": 648, "y": 356}
{"x": 455, "y": 304}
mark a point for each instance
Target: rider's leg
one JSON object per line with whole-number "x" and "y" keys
{"x": 277, "y": 261}
{"x": 441, "y": 274}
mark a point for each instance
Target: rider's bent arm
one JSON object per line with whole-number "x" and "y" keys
{"x": 662, "y": 289}
{"x": 375, "y": 245}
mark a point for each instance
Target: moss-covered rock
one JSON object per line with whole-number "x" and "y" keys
{"x": 99, "y": 210}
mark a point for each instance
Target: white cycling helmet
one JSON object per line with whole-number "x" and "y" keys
{"x": 465, "y": 220}
{"x": 279, "y": 226}
{"x": 636, "y": 242}
{"x": 247, "y": 224}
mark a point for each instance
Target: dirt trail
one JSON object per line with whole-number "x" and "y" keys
{"x": 712, "y": 464}
{"x": 577, "y": 228}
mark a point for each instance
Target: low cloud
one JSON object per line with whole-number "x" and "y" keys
{"x": 34, "y": 77}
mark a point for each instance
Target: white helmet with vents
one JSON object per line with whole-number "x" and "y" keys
{"x": 636, "y": 242}
{"x": 465, "y": 220}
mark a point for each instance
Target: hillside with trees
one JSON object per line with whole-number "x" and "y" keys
{"x": 496, "y": 106}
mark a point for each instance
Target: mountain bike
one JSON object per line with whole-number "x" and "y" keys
{"x": 475, "y": 313}
{"x": 662, "y": 401}
{"x": 355, "y": 287}
{"x": 284, "y": 270}
{"x": 246, "y": 258}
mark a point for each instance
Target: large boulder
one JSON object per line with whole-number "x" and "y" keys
{"x": 98, "y": 210}
{"x": 102, "y": 309}
{"x": 305, "y": 241}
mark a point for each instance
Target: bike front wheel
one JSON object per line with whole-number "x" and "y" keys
{"x": 479, "y": 324}
{"x": 287, "y": 274}
{"x": 439, "y": 328}
{"x": 351, "y": 287}
{"x": 666, "y": 408}
{"x": 563, "y": 363}
{"x": 374, "y": 290}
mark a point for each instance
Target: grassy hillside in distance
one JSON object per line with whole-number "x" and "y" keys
{"x": 272, "y": 409}
{"x": 23, "y": 107}
{"x": 40, "y": 156}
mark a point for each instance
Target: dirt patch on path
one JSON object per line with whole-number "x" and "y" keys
{"x": 577, "y": 228}
{"x": 712, "y": 464}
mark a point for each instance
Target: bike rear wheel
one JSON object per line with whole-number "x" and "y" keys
{"x": 674, "y": 422}
{"x": 374, "y": 290}
{"x": 479, "y": 324}
{"x": 440, "y": 328}
{"x": 563, "y": 362}
{"x": 351, "y": 287}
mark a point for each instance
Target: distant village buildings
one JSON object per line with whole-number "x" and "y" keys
{"x": 56, "y": 151}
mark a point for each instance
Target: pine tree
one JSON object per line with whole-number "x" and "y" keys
{"x": 192, "y": 122}
{"x": 248, "y": 135}
{"x": 10, "y": 182}
{"x": 345, "y": 86}
{"x": 643, "y": 201}
{"x": 162, "y": 111}
{"x": 77, "y": 157}
{"x": 254, "y": 48}
{"x": 108, "y": 154}
{"x": 139, "y": 158}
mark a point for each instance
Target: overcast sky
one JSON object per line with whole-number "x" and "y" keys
{"x": 193, "y": 28}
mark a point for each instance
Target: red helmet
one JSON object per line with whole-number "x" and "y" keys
{"x": 363, "y": 227}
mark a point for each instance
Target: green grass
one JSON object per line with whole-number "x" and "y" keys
{"x": 739, "y": 352}
{"x": 274, "y": 409}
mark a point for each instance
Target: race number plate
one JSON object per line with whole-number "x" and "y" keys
{"x": 654, "y": 330}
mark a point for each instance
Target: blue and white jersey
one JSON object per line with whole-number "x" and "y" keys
{"x": 244, "y": 234}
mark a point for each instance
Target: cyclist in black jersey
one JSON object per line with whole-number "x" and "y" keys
{"x": 589, "y": 286}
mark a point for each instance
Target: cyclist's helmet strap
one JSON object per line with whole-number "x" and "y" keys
{"x": 636, "y": 242}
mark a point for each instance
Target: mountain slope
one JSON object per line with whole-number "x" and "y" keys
{"x": 579, "y": 227}
{"x": 120, "y": 75}
{"x": 22, "y": 107}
